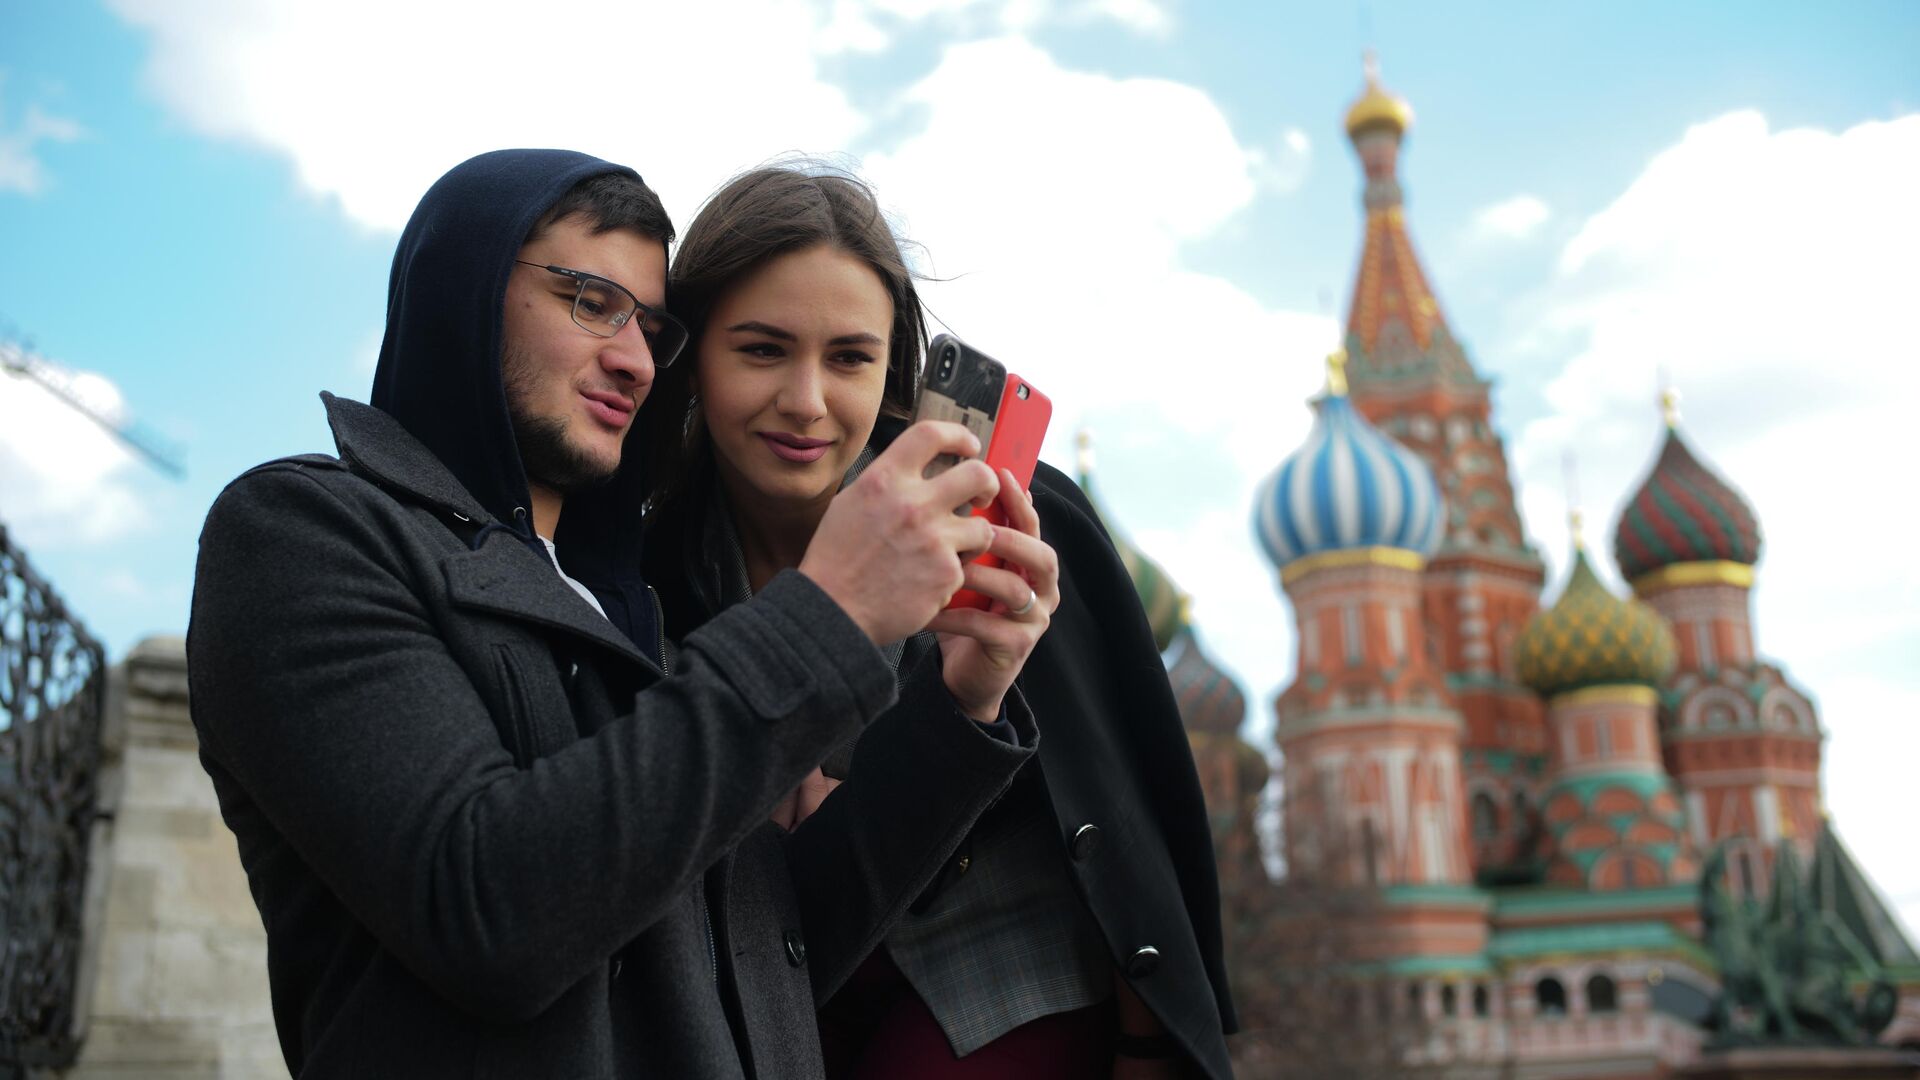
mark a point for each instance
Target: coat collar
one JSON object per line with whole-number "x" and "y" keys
{"x": 375, "y": 444}
{"x": 504, "y": 575}
{"x": 506, "y": 578}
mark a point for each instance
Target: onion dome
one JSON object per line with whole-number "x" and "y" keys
{"x": 1165, "y": 604}
{"x": 1684, "y": 513}
{"x": 1376, "y": 109}
{"x": 1591, "y": 637}
{"x": 1349, "y": 487}
{"x": 1209, "y": 700}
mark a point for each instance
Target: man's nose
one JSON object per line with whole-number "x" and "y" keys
{"x": 628, "y": 356}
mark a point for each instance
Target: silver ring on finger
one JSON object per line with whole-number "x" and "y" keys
{"x": 1026, "y": 607}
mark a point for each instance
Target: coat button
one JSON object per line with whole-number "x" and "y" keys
{"x": 1143, "y": 962}
{"x": 796, "y": 948}
{"x": 1086, "y": 839}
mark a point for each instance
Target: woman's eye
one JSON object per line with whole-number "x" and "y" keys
{"x": 763, "y": 350}
{"x": 852, "y": 358}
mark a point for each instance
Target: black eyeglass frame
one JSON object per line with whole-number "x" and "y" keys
{"x": 581, "y": 278}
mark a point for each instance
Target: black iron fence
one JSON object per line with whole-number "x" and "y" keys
{"x": 52, "y": 694}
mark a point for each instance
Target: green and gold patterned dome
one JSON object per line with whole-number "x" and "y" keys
{"x": 1591, "y": 637}
{"x": 1165, "y": 604}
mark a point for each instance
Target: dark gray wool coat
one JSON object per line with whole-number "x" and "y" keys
{"x": 486, "y": 835}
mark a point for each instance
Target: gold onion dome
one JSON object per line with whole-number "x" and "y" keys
{"x": 1591, "y": 637}
{"x": 1376, "y": 109}
{"x": 1165, "y": 604}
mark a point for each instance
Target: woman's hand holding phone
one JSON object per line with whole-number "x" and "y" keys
{"x": 982, "y": 651}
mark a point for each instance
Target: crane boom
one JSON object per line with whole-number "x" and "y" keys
{"x": 16, "y": 360}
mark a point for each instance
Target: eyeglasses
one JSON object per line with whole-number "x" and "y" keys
{"x": 602, "y": 307}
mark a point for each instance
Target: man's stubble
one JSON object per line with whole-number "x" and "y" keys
{"x": 549, "y": 459}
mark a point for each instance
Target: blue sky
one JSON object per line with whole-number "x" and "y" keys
{"x": 1147, "y": 206}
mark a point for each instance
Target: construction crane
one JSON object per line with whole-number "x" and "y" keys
{"x": 21, "y": 362}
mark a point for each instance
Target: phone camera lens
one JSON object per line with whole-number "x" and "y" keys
{"x": 1022, "y": 392}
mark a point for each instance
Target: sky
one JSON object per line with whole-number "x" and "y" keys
{"x": 1147, "y": 207}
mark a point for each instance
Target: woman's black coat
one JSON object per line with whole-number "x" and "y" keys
{"x": 1115, "y": 760}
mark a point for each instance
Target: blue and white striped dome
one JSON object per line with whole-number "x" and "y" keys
{"x": 1350, "y": 486}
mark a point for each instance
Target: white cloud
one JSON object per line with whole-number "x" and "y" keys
{"x": 426, "y": 86}
{"x": 63, "y": 479}
{"x": 1512, "y": 219}
{"x": 711, "y": 89}
{"x": 1282, "y": 167}
{"x": 1768, "y": 273}
{"x": 21, "y": 169}
{"x": 872, "y": 25}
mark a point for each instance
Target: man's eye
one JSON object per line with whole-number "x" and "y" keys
{"x": 589, "y": 306}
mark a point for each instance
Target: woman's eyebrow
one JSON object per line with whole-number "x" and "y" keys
{"x": 755, "y": 326}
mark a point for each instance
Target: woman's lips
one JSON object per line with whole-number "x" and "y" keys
{"x": 794, "y": 448}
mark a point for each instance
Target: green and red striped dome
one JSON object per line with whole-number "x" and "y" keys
{"x": 1684, "y": 513}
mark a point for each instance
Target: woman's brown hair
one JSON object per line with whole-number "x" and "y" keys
{"x": 758, "y": 216}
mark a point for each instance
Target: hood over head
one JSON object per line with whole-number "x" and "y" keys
{"x": 439, "y": 372}
{"x": 440, "y": 362}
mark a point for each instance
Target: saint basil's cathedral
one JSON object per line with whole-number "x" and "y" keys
{"x": 1532, "y": 791}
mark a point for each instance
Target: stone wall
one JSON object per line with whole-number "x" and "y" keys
{"x": 174, "y": 977}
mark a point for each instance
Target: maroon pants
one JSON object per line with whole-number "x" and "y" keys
{"x": 877, "y": 1028}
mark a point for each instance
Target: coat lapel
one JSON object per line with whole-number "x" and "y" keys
{"x": 504, "y": 577}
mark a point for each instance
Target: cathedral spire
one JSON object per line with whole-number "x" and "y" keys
{"x": 1394, "y": 317}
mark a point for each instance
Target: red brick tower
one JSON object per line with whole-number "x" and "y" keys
{"x": 1412, "y": 379}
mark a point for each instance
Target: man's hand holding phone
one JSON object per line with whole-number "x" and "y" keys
{"x": 889, "y": 549}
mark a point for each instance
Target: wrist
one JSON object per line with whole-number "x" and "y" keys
{"x": 847, "y": 607}
{"x": 983, "y": 714}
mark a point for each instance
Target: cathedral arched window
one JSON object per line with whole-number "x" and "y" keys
{"x": 1370, "y": 850}
{"x": 1480, "y": 1002}
{"x": 1449, "y": 1000}
{"x": 1602, "y": 996}
{"x": 1486, "y": 817}
{"x": 1550, "y": 996}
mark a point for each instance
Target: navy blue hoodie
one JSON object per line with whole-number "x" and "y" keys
{"x": 440, "y": 373}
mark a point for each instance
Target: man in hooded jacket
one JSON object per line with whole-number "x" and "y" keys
{"x": 488, "y": 834}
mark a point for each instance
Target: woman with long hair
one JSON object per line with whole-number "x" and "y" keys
{"x": 1075, "y": 930}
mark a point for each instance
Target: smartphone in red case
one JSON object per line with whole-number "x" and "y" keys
{"x": 1019, "y": 427}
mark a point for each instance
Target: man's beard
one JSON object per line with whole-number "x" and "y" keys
{"x": 549, "y": 459}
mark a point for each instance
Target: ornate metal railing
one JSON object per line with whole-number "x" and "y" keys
{"x": 52, "y": 694}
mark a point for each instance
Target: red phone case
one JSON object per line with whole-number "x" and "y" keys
{"x": 1018, "y": 431}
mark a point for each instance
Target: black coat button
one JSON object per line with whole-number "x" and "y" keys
{"x": 1086, "y": 840}
{"x": 796, "y": 948}
{"x": 1143, "y": 962}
